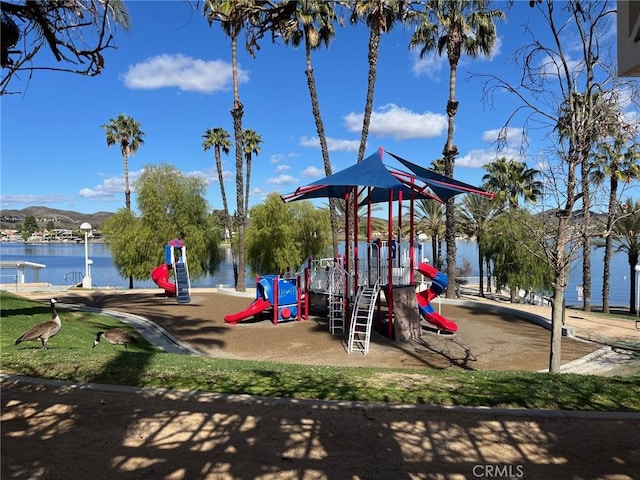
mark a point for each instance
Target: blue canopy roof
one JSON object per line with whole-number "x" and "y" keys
{"x": 370, "y": 172}
{"x": 443, "y": 186}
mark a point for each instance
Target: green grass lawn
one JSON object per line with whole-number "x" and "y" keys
{"x": 71, "y": 357}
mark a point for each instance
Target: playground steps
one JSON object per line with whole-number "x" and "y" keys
{"x": 362, "y": 319}
{"x": 336, "y": 314}
{"x": 182, "y": 283}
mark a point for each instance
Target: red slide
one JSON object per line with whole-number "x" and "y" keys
{"x": 160, "y": 275}
{"x": 257, "y": 306}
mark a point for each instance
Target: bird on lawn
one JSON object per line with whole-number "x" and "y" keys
{"x": 116, "y": 336}
{"x": 45, "y": 330}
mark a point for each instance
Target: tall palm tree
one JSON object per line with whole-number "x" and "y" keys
{"x": 124, "y": 131}
{"x": 512, "y": 180}
{"x": 475, "y": 214}
{"x": 620, "y": 161}
{"x": 312, "y": 21}
{"x": 250, "y": 146}
{"x": 218, "y": 139}
{"x": 234, "y": 15}
{"x": 457, "y": 27}
{"x": 380, "y": 16}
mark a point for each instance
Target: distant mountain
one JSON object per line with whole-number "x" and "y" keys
{"x": 10, "y": 219}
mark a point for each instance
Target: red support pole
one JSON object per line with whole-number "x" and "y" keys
{"x": 390, "y": 274}
{"x": 276, "y": 280}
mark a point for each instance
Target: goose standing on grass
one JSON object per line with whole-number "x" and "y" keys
{"x": 45, "y": 330}
{"x": 116, "y": 336}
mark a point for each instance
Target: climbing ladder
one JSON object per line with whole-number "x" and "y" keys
{"x": 337, "y": 318}
{"x": 362, "y": 318}
{"x": 182, "y": 283}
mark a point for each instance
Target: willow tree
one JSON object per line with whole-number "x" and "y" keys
{"x": 170, "y": 205}
{"x": 457, "y": 27}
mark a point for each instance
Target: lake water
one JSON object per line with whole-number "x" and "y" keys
{"x": 65, "y": 266}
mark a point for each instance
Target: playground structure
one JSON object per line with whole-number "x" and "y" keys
{"x": 439, "y": 282}
{"x": 356, "y": 282}
{"x": 175, "y": 253}
{"x": 286, "y": 296}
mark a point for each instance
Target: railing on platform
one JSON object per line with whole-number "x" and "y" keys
{"x": 75, "y": 276}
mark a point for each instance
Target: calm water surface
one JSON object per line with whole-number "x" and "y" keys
{"x": 65, "y": 266}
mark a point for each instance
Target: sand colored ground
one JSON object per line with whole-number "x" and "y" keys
{"x": 77, "y": 432}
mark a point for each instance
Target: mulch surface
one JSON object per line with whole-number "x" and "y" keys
{"x": 486, "y": 340}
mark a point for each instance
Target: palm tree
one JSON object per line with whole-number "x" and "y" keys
{"x": 250, "y": 145}
{"x": 218, "y": 139}
{"x": 459, "y": 27}
{"x": 475, "y": 214}
{"x": 313, "y": 22}
{"x": 233, "y": 16}
{"x": 627, "y": 240}
{"x": 512, "y": 180}
{"x": 620, "y": 161}
{"x": 125, "y": 131}
{"x": 380, "y": 16}
{"x": 431, "y": 219}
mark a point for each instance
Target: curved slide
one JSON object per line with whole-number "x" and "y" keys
{"x": 257, "y": 306}
{"x": 439, "y": 282}
{"x": 160, "y": 275}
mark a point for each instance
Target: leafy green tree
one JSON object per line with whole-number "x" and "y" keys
{"x": 457, "y": 27}
{"x": 282, "y": 235}
{"x": 125, "y": 131}
{"x": 30, "y": 225}
{"x": 513, "y": 244}
{"x": 50, "y": 225}
{"x": 171, "y": 205}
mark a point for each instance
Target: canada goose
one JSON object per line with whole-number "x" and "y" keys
{"x": 45, "y": 330}
{"x": 116, "y": 336}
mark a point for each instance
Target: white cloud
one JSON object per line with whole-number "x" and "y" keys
{"x": 282, "y": 168}
{"x": 478, "y": 158}
{"x": 186, "y": 73}
{"x": 511, "y": 136}
{"x": 282, "y": 180}
{"x": 313, "y": 172}
{"x": 333, "y": 144}
{"x": 399, "y": 122}
{"x": 20, "y": 200}
{"x": 430, "y": 65}
{"x": 110, "y": 187}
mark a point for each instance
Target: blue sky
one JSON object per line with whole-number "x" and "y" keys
{"x": 172, "y": 73}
